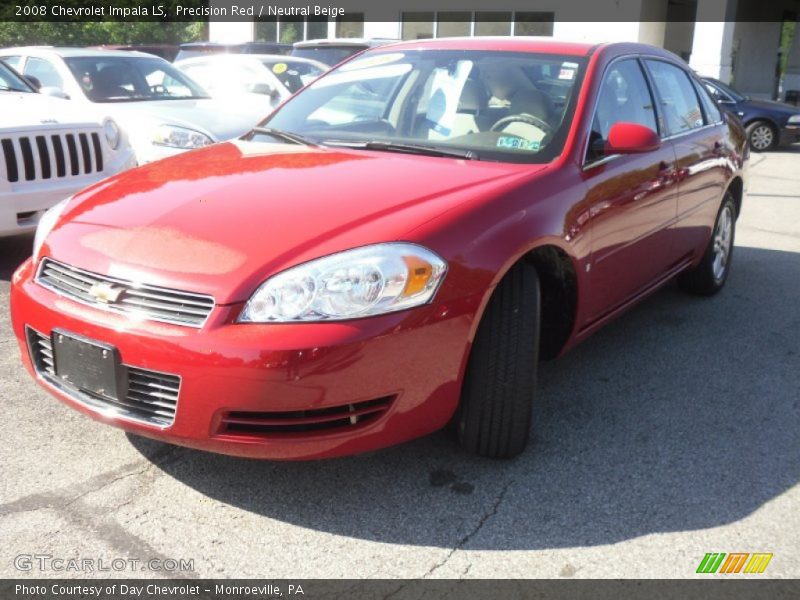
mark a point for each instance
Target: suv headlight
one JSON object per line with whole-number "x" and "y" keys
{"x": 46, "y": 224}
{"x": 371, "y": 280}
{"x": 794, "y": 119}
{"x": 180, "y": 137}
{"x": 111, "y": 132}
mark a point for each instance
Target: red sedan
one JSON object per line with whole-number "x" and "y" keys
{"x": 391, "y": 251}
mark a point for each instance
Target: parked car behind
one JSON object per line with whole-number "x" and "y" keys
{"x": 162, "y": 110}
{"x": 333, "y": 51}
{"x": 272, "y": 75}
{"x": 166, "y": 51}
{"x": 50, "y": 149}
{"x": 768, "y": 123}
{"x": 328, "y": 287}
{"x": 195, "y": 49}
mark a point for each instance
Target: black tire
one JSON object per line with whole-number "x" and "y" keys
{"x": 494, "y": 417}
{"x": 706, "y": 279}
{"x": 762, "y": 136}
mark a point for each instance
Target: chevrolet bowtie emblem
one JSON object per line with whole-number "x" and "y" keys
{"x": 105, "y": 292}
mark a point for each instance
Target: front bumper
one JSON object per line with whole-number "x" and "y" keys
{"x": 790, "y": 134}
{"x": 412, "y": 360}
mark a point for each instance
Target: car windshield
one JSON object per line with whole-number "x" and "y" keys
{"x": 227, "y": 74}
{"x": 505, "y": 106}
{"x": 736, "y": 96}
{"x": 293, "y": 74}
{"x": 11, "y": 82}
{"x": 131, "y": 79}
{"x": 326, "y": 54}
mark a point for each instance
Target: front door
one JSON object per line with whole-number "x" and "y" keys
{"x": 633, "y": 198}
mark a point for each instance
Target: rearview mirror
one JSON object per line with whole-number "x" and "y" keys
{"x": 631, "y": 138}
{"x": 263, "y": 88}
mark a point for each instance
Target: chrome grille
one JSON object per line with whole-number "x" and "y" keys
{"x": 149, "y": 302}
{"x": 152, "y": 397}
{"x": 43, "y": 157}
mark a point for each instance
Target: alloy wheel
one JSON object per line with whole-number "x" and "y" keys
{"x": 761, "y": 137}
{"x": 723, "y": 241}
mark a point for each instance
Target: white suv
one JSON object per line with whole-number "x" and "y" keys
{"x": 49, "y": 150}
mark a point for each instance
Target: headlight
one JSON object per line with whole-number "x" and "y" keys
{"x": 794, "y": 119}
{"x": 366, "y": 281}
{"x": 180, "y": 137}
{"x": 111, "y": 131}
{"x": 46, "y": 224}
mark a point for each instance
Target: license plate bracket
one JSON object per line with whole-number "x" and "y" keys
{"x": 88, "y": 365}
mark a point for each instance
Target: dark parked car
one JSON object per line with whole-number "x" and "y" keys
{"x": 333, "y": 51}
{"x": 768, "y": 123}
{"x": 195, "y": 49}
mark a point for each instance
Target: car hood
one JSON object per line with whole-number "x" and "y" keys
{"x": 771, "y": 105}
{"x": 221, "y": 119}
{"x": 20, "y": 111}
{"x": 220, "y": 220}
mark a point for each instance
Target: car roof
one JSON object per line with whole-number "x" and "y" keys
{"x": 250, "y": 58}
{"x": 66, "y": 52}
{"x": 502, "y": 43}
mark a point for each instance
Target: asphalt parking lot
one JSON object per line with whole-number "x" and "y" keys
{"x": 671, "y": 433}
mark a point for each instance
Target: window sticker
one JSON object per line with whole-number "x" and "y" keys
{"x": 515, "y": 143}
{"x": 566, "y": 74}
{"x": 279, "y": 68}
{"x": 445, "y": 95}
{"x": 372, "y": 61}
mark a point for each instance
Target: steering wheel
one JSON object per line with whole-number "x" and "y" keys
{"x": 523, "y": 118}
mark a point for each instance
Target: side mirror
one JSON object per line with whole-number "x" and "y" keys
{"x": 631, "y": 138}
{"x": 54, "y": 92}
{"x": 34, "y": 81}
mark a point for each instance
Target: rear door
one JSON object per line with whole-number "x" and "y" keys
{"x": 633, "y": 198}
{"x": 695, "y": 128}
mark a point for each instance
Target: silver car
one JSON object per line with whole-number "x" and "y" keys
{"x": 163, "y": 111}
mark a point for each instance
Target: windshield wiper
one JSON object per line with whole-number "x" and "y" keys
{"x": 406, "y": 148}
{"x": 286, "y": 136}
{"x": 4, "y": 88}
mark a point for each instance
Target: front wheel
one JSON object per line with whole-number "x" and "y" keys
{"x": 707, "y": 278}
{"x": 494, "y": 417}
{"x": 762, "y": 136}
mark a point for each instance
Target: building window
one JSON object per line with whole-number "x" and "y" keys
{"x": 316, "y": 28}
{"x": 424, "y": 25}
{"x": 534, "y": 23}
{"x": 492, "y": 23}
{"x": 266, "y": 30}
{"x": 453, "y": 24}
{"x": 417, "y": 25}
{"x": 291, "y": 29}
{"x": 350, "y": 26}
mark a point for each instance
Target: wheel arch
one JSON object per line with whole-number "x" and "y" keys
{"x": 558, "y": 285}
{"x": 736, "y": 189}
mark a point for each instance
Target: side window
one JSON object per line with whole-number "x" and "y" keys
{"x": 12, "y": 61}
{"x": 710, "y": 106}
{"x": 44, "y": 72}
{"x": 624, "y": 97}
{"x": 679, "y": 101}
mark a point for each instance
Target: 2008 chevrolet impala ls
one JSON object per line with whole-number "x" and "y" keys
{"x": 391, "y": 251}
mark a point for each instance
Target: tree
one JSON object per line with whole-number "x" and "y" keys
{"x": 88, "y": 33}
